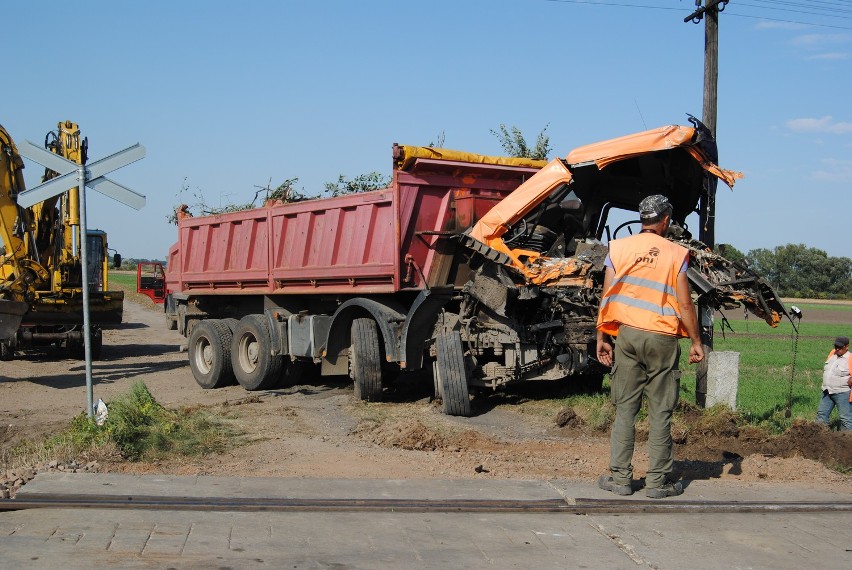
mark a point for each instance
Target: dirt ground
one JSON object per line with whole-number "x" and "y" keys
{"x": 317, "y": 429}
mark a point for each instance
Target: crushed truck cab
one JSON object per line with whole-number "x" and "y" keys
{"x": 488, "y": 270}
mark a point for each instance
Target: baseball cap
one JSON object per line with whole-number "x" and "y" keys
{"x": 841, "y": 341}
{"x": 653, "y": 206}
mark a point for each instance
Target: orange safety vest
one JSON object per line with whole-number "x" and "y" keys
{"x": 643, "y": 294}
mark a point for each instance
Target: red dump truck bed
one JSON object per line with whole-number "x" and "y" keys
{"x": 383, "y": 241}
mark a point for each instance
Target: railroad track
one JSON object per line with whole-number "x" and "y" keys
{"x": 578, "y": 506}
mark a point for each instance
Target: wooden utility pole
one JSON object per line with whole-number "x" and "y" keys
{"x": 707, "y": 206}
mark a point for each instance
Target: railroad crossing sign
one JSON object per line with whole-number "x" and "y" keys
{"x": 93, "y": 175}
{"x": 81, "y": 175}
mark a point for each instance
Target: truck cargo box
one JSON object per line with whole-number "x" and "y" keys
{"x": 383, "y": 241}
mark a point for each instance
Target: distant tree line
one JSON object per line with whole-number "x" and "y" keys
{"x": 130, "y": 263}
{"x": 796, "y": 270}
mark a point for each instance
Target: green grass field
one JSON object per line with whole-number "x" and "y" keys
{"x": 127, "y": 279}
{"x": 766, "y": 368}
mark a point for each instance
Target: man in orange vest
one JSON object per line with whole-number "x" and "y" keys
{"x": 647, "y": 305}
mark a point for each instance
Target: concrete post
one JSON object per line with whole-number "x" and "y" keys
{"x": 723, "y": 378}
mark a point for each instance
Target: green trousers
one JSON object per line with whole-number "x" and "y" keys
{"x": 644, "y": 363}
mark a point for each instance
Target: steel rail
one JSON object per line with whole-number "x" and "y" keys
{"x": 580, "y": 506}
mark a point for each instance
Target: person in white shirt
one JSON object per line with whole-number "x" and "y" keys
{"x": 837, "y": 385}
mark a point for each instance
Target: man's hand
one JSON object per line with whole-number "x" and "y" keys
{"x": 696, "y": 353}
{"x": 604, "y": 349}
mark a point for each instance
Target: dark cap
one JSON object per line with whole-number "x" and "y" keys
{"x": 841, "y": 341}
{"x": 653, "y": 206}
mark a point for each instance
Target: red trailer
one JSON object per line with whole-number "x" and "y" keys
{"x": 487, "y": 268}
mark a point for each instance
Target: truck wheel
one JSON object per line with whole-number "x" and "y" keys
{"x": 181, "y": 319}
{"x": 365, "y": 365}
{"x": 7, "y": 352}
{"x": 232, "y": 324}
{"x": 455, "y": 398}
{"x": 97, "y": 338}
{"x": 209, "y": 354}
{"x": 436, "y": 383}
{"x": 255, "y": 367}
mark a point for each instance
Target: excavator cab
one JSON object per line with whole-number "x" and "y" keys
{"x": 97, "y": 260}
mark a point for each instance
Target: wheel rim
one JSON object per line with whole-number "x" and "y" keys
{"x": 248, "y": 353}
{"x": 203, "y": 356}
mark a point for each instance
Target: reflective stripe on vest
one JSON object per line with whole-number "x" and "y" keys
{"x": 643, "y": 293}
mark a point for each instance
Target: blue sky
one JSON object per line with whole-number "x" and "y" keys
{"x": 226, "y": 96}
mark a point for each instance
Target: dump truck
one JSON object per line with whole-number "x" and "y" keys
{"x": 488, "y": 270}
{"x": 41, "y": 259}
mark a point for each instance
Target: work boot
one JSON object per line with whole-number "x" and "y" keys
{"x": 606, "y": 483}
{"x": 669, "y": 488}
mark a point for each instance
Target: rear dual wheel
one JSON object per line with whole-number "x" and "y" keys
{"x": 210, "y": 354}
{"x": 255, "y": 367}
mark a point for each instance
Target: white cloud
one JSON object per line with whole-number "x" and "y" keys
{"x": 824, "y": 125}
{"x": 834, "y": 171}
{"x": 816, "y": 40}
{"x": 780, "y": 26}
{"x": 831, "y": 56}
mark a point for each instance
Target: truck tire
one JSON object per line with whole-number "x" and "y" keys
{"x": 7, "y": 351}
{"x": 438, "y": 392}
{"x": 77, "y": 348}
{"x": 255, "y": 367}
{"x": 455, "y": 397}
{"x": 181, "y": 320}
{"x": 209, "y": 354}
{"x": 365, "y": 365}
{"x": 97, "y": 338}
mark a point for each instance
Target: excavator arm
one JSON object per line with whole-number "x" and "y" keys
{"x": 15, "y": 268}
{"x": 20, "y": 269}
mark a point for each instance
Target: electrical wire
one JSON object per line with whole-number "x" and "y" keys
{"x": 810, "y": 12}
{"x": 794, "y": 11}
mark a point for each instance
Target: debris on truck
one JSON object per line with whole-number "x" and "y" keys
{"x": 486, "y": 269}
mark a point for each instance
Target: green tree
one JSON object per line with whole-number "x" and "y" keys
{"x": 796, "y": 270}
{"x": 730, "y": 253}
{"x": 514, "y": 144}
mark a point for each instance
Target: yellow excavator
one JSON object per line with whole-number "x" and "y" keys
{"x": 40, "y": 264}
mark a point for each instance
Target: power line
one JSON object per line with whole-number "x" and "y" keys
{"x": 616, "y": 4}
{"x": 787, "y": 21}
{"x": 809, "y": 12}
{"x": 739, "y": 15}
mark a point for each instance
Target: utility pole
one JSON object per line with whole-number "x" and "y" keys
{"x": 707, "y": 205}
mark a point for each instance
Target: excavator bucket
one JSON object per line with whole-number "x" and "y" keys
{"x": 11, "y": 313}
{"x": 105, "y": 308}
